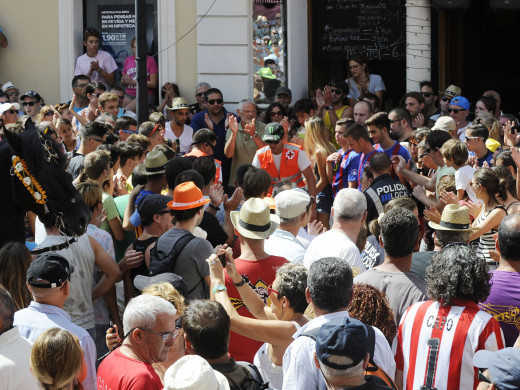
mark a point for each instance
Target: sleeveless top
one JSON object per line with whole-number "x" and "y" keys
{"x": 270, "y": 372}
{"x": 486, "y": 241}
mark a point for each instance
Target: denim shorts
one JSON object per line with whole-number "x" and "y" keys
{"x": 324, "y": 201}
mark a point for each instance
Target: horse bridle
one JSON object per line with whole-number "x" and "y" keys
{"x": 21, "y": 171}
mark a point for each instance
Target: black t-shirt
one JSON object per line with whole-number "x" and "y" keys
{"x": 383, "y": 189}
{"x": 210, "y": 224}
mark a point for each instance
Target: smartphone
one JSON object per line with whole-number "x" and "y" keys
{"x": 222, "y": 258}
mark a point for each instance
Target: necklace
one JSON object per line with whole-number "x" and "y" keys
{"x": 22, "y": 172}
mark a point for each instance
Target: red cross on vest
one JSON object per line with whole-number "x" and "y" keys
{"x": 290, "y": 154}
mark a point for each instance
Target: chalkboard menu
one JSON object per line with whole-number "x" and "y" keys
{"x": 375, "y": 28}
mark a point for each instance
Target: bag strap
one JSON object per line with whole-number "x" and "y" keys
{"x": 255, "y": 375}
{"x": 176, "y": 249}
{"x": 371, "y": 334}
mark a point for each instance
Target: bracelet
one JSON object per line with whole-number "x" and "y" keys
{"x": 244, "y": 280}
{"x": 213, "y": 207}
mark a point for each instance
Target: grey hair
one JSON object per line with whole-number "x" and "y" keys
{"x": 290, "y": 221}
{"x": 243, "y": 102}
{"x": 202, "y": 84}
{"x": 7, "y": 309}
{"x": 445, "y": 237}
{"x": 329, "y": 372}
{"x": 349, "y": 204}
{"x": 142, "y": 312}
{"x": 292, "y": 282}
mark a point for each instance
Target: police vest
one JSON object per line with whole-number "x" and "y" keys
{"x": 288, "y": 165}
{"x": 218, "y": 164}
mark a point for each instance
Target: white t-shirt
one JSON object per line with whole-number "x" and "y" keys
{"x": 105, "y": 60}
{"x": 463, "y": 177}
{"x": 303, "y": 161}
{"x": 333, "y": 243}
{"x": 185, "y": 138}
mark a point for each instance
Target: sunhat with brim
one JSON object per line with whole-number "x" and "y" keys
{"x": 266, "y": 73}
{"x": 454, "y": 218}
{"x": 254, "y": 219}
{"x": 154, "y": 164}
{"x": 187, "y": 196}
{"x": 178, "y": 104}
{"x": 451, "y": 91}
{"x": 193, "y": 372}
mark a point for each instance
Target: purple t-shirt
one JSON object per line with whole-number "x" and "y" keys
{"x": 503, "y": 303}
{"x": 130, "y": 69}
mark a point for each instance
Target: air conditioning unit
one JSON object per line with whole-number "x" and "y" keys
{"x": 451, "y": 4}
{"x": 505, "y": 4}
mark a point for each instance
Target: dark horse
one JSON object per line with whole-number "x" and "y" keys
{"x": 33, "y": 177}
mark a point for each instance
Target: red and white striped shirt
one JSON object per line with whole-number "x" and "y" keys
{"x": 436, "y": 344}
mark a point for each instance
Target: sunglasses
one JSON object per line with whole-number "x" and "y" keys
{"x": 98, "y": 139}
{"x": 276, "y": 113}
{"x": 395, "y": 120}
{"x": 427, "y": 94}
{"x": 25, "y": 104}
{"x": 200, "y": 94}
{"x": 13, "y": 93}
{"x": 455, "y": 110}
{"x": 272, "y": 142}
{"x": 270, "y": 290}
{"x": 95, "y": 94}
{"x": 445, "y": 99}
{"x": 336, "y": 91}
{"x": 211, "y": 146}
{"x": 153, "y": 131}
{"x": 128, "y": 131}
{"x": 468, "y": 138}
{"x": 215, "y": 101}
{"x": 48, "y": 113}
{"x": 10, "y": 111}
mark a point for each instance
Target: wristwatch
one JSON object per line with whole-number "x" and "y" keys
{"x": 244, "y": 280}
{"x": 330, "y": 107}
{"x": 219, "y": 288}
{"x": 255, "y": 135}
{"x": 213, "y": 207}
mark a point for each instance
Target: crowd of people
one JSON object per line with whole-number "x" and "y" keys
{"x": 324, "y": 244}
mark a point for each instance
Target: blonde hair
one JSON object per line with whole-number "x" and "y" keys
{"x": 491, "y": 124}
{"x": 56, "y": 358}
{"x": 91, "y": 192}
{"x": 166, "y": 291}
{"x": 43, "y": 111}
{"x": 106, "y": 97}
{"x": 456, "y": 151}
{"x": 316, "y": 138}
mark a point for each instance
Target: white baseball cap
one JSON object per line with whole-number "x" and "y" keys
{"x": 6, "y": 106}
{"x": 291, "y": 203}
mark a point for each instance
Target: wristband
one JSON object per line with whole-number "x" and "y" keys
{"x": 213, "y": 207}
{"x": 244, "y": 280}
{"x": 219, "y": 288}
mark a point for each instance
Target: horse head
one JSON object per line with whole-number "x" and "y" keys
{"x": 41, "y": 184}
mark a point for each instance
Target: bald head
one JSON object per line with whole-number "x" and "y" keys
{"x": 509, "y": 237}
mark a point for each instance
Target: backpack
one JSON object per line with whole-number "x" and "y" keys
{"x": 163, "y": 258}
{"x": 372, "y": 369}
{"x": 245, "y": 376}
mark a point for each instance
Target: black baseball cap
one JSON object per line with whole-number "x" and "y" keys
{"x": 273, "y": 132}
{"x": 342, "y": 337}
{"x": 153, "y": 204}
{"x": 284, "y": 91}
{"x": 49, "y": 270}
{"x": 32, "y": 94}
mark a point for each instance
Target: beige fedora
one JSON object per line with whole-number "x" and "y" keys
{"x": 454, "y": 218}
{"x": 254, "y": 219}
{"x": 154, "y": 164}
{"x": 178, "y": 104}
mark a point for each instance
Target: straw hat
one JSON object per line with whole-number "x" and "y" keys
{"x": 187, "y": 196}
{"x": 193, "y": 372}
{"x": 452, "y": 91}
{"x": 154, "y": 164}
{"x": 254, "y": 219}
{"x": 454, "y": 218}
{"x": 178, "y": 104}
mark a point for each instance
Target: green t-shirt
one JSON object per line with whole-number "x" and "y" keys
{"x": 121, "y": 246}
{"x": 442, "y": 171}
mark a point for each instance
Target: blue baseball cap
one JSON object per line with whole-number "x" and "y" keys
{"x": 342, "y": 337}
{"x": 503, "y": 366}
{"x": 460, "y": 101}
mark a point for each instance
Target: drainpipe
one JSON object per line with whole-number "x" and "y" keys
{"x": 418, "y": 43}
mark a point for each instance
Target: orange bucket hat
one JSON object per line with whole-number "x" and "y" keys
{"x": 187, "y": 196}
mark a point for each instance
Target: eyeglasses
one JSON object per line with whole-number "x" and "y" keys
{"x": 168, "y": 336}
{"x": 81, "y": 85}
{"x": 13, "y": 93}
{"x": 25, "y": 104}
{"x": 468, "y": 138}
{"x": 10, "y": 111}
{"x": 395, "y": 120}
{"x": 270, "y": 290}
{"x": 354, "y": 66}
{"x": 427, "y": 94}
{"x": 98, "y": 139}
{"x": 276, "y": 113}
{"x": 95, "y": 94}
{"x": 215, "y": 101}
{"x": 481, "y": 377}
{"x": 336, "y": 91}
{"x": 455, "y": 110}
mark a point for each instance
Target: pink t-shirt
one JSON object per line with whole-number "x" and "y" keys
{"x": 130, "y": 69}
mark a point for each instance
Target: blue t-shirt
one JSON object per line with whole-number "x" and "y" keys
{"x": 374, "y": 84}
{"x": 401, "y": 152}
{"x": 341, "y": 171}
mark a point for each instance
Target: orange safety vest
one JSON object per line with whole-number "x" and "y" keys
{"x": 288, "y": 165}
{"x": 199, "y": 153}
